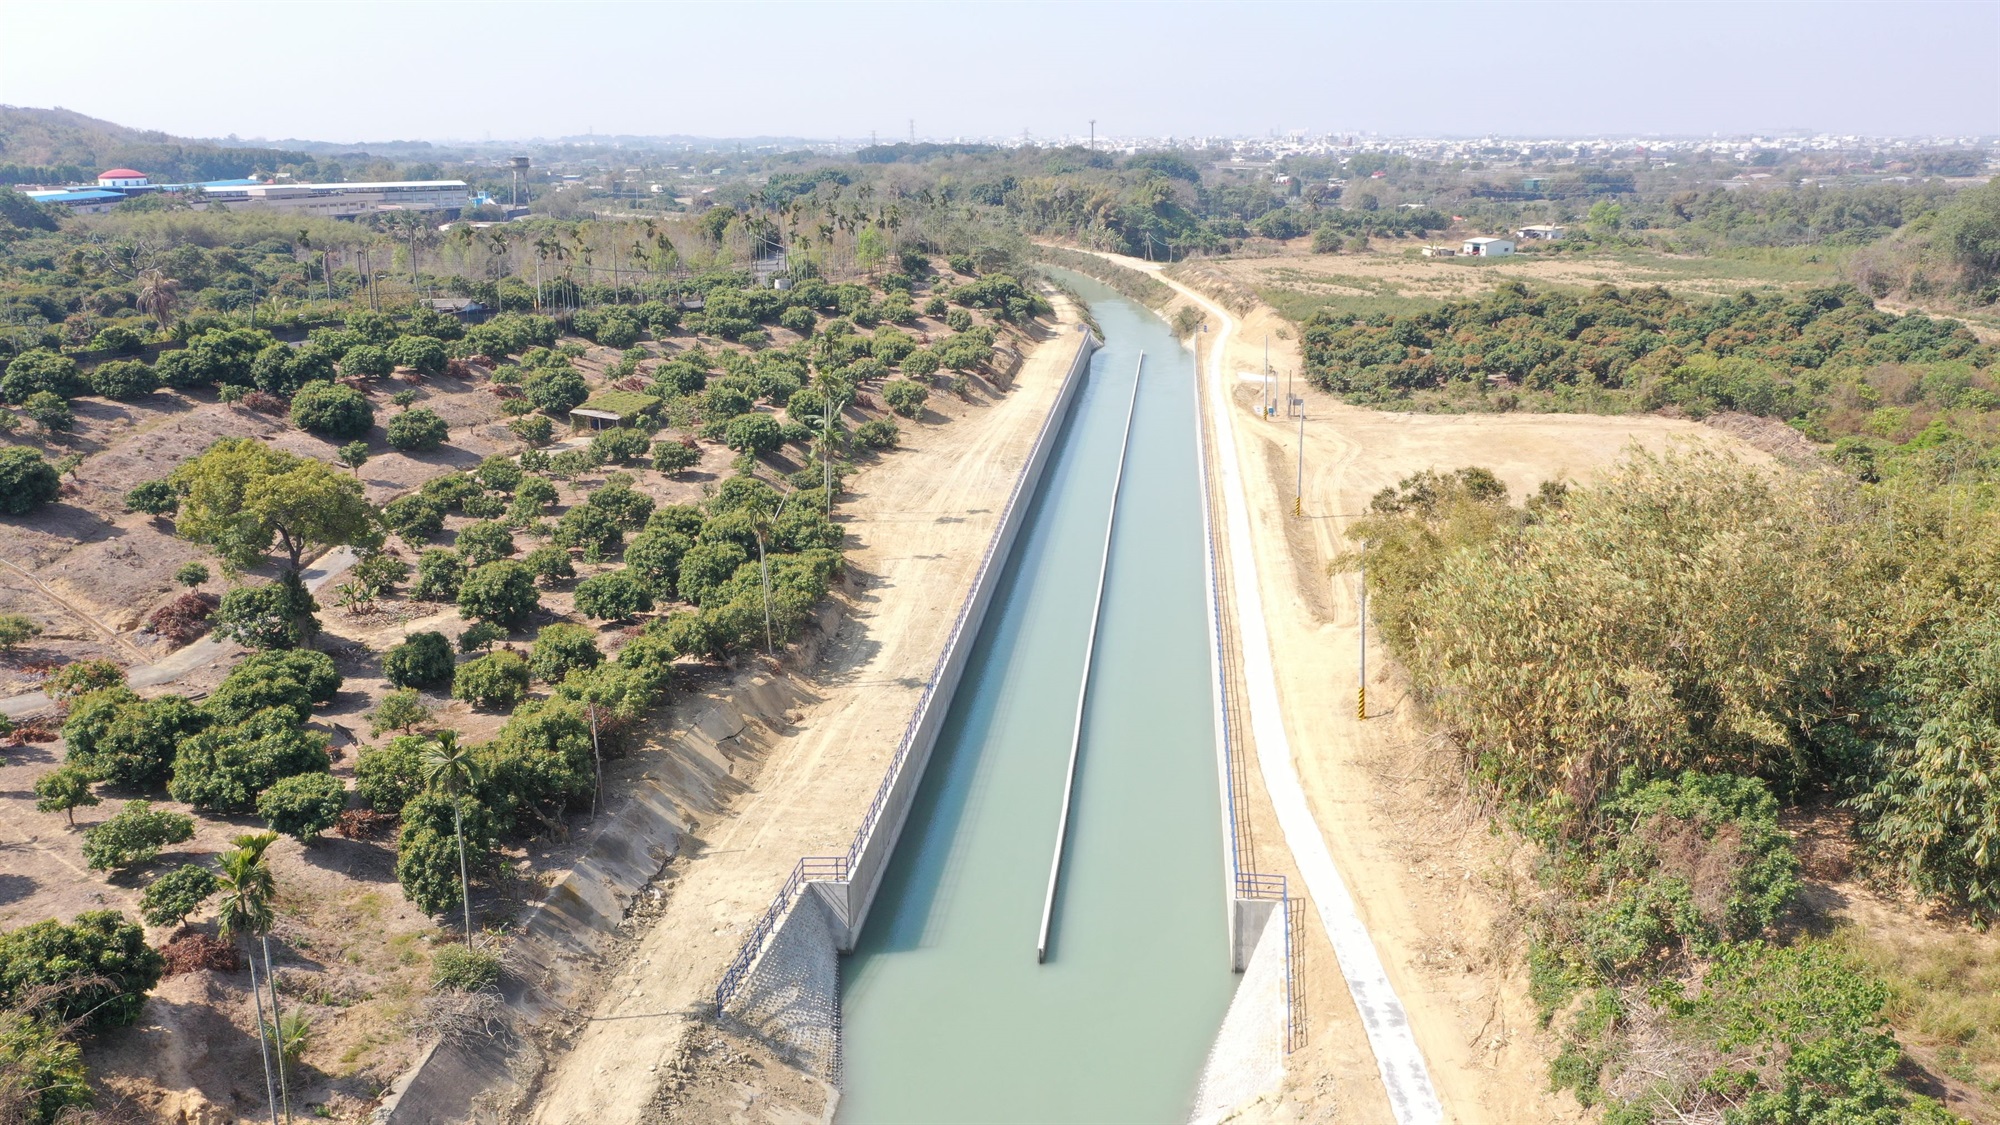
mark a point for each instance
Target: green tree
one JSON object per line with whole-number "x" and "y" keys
{"x": 535, "y": 429}
{"x": 333, "y": 409}
{"x": 41, "y": 370}
{"x": 424, "y": 354}
{"x": 153, "y": 497}
{"x": 388, "y": 776}
{"x": 134, "y": 837}
{"x": 560, "y": 648}
{"x": 905, "y": 397}
{"x": 497, "y": 680}
{"x": 27, "y": 480}
{"x": 440, "y": 575}
{"x": 366, "y": 360}
{"x": 451, "y": 770}
{"x": 14, "y": 629}
{"x": 277, "y": 614}
{"x": 613, "y": 596}
{"x": 191, "y": 574}
{"x": 98, "y": 967}
{"x": 754, "y": 434}
{"x": 654, "y": 558}
{"x": 173, "y": 896}
{"x": 417, "y": 431}
{"x": 422, "y": 660}
{"x": 400, "y": 710}
{"x": 675, "y": 456}
{"x": 556, "y": 391}
{"x": 42, "y": 1074}
{"x": 354, "y": 455}
{"x": 878, "y": 434}
{"x": 50, "y": 411}
{"x": 481, "y": 636}
{"x": 484, "y": 542}
{"x": 223, "y": 769}
{"x": 119, "y": 738}
{"x": 303, "y": 806}
{"x": 591, "y": 528}
{"x": 124, "y": 379}
{"x": 501, "y": 592}
{"x": 549, "y": 564}
{"x": 240, "y": 495}
{"x": 64, "y": 789}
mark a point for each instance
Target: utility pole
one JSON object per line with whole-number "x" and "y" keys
{"x": 1093, "y": 134}
{"x": 1361, "y": 696}
{"x": 1299, "y": 490}
{"x": 1267, "y": 377}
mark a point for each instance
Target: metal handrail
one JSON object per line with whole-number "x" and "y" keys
{"x": 739, "y": 968}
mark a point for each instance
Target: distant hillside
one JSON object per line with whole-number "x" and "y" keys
{"x": 59, "y": 145}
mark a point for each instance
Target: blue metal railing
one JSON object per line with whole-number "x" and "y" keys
{"x": 802, "y": 872}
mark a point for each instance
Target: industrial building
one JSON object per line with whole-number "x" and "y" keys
{"x": 332, "y": 201}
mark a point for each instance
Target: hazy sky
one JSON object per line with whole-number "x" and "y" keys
{"x": 368, "y": 71}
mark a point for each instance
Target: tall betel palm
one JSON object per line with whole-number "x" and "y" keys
{"x": 246, "y": 908}
{"x": 158, "y": 296}
{"x": 449, "y": 768}
{"x": 762, "y": 519}
{"x": 827, "y": 418}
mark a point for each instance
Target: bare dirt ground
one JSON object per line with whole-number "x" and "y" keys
{"x": 921, "y": 522}
{"x": 1434, "y": 887}
{"x": 1393, "y": 269}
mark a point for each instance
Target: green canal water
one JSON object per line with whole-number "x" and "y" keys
{"x": 947, "y": 1016}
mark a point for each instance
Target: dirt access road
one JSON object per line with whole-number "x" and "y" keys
{"x": 1428, "y": 882}
{"x": 922, "y": 520}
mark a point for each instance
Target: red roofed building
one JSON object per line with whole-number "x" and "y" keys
{"x": 121, "y": 178}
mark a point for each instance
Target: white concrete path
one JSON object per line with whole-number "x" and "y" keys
{"x": 1404, "y": 1074}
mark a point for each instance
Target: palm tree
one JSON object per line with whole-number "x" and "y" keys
{"x": 247, "y": 894}
{"x": 450, "y": 769}
{"x": 158, "y": 294}
{"x": 762, "y": 519}
{"x": 826, "y": 419}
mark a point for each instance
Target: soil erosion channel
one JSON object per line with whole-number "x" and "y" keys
{"x": 946, "y": 1015}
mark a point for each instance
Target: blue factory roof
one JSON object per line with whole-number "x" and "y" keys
{"x": 84, "y": 196}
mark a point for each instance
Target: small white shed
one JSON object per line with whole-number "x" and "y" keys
{"x": 1484, "y": 247}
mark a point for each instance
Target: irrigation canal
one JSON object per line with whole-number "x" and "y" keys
{"x": 947, "y": 1015}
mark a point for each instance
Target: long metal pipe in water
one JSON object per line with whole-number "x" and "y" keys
{"x": 1083, "y": 688}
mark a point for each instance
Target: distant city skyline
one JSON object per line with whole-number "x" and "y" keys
{"x": 372, "y": 72}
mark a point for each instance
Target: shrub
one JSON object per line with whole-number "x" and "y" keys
{"x": 169, "y": 899}
{"x": 535, "y": 429}
{"x": 41, "y": 370}
{"x": 50, "y": 411}
{"x": 134, "y": 836}
{"x": 224, "y": 768}
{"x": 905, "y": 397}
{"x": 753, "y": 434}
{"x": 64, "y": 789}
{"x": 304, "y": 806}
{"x": 153, "y": 497}
{"x": 484, "y": 542}
{"x": 27, "y": 480}
{"x": 878, "y": 434}
{"x": 561, "y": 648}
{"x": 499, "y": 680}
{"x": 415, "y": 518}
{"x": 42, "y": 1075}
{"x": 387, "y": 777}
{"x": 549, "y": 565}
{"x": 501, "y": 592}
{"x": 417, "y": 431}
{"x": 419, "y": 353}
{"x": 313, "y": 670}
{"x": 99, "y": 968}
{"x": 592, "y": 529}
{"x": 399, "y": 710}
{"x": 380, "y": 570}
{"x": 184, "y": 618}
{"x": 275, "y": 615}
{"x": 675, "y": 456}
{"x": 333, "y": 409}
{"x": 124, "y": 379}
{"x": 191, "y": 574}
{"x": 15, "y": 628}
{"x": 119, "y": 339}
{"x": 126, "y": 741}
{"x": 440, "y": 574}
{"x": 366, "y": 360}
{"x": 461, "y": 968}
{"x": 73, "y": 681}
{"x": 619, "y": 445}
{"x": 422, "y": 660}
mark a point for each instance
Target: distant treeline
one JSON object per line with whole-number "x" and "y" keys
{"x": 163, "y": 163}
